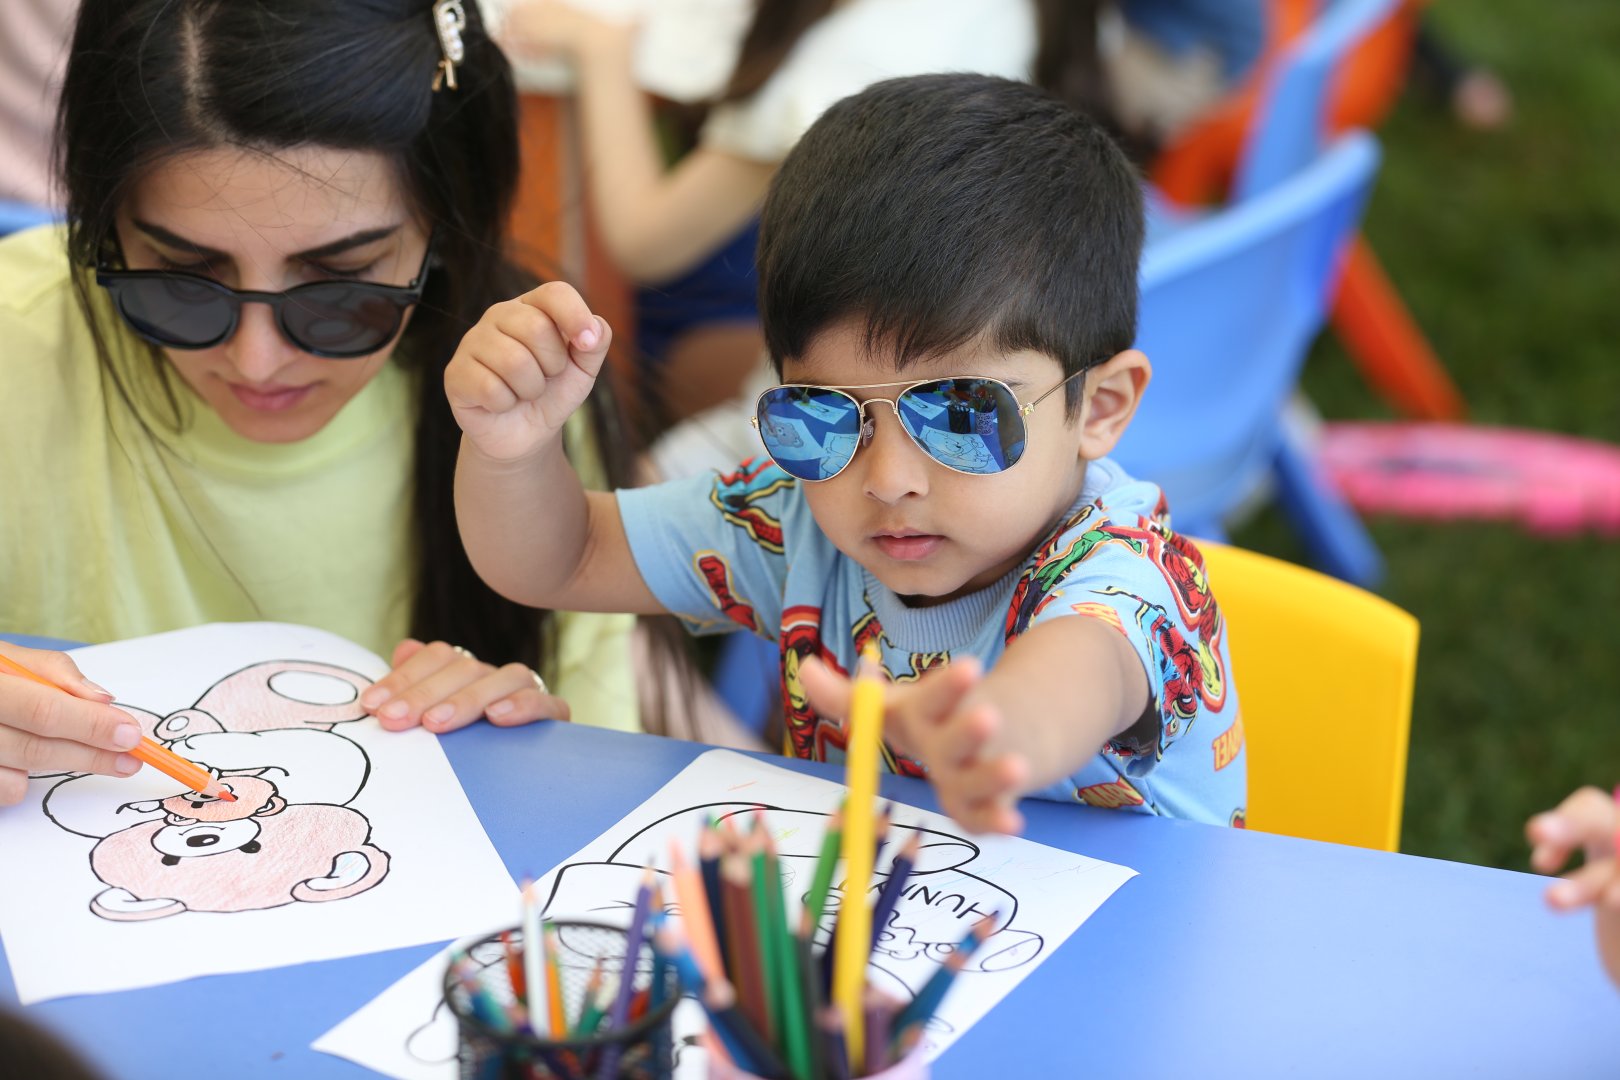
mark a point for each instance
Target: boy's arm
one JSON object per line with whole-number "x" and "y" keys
{"x": 530, "y": 528}
{"x": 1057, "y": 695}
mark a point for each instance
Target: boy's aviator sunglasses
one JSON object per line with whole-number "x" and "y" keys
{"x": 336, "y": 320}
{"x": 968, "y": 423}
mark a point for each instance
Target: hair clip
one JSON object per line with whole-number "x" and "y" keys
{"x": 449, "y": 19}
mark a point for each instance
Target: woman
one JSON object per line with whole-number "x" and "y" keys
{"x": 194, "y": 442}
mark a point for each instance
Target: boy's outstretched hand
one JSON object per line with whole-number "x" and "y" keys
{"x": 524, "y": 369}
{"x": 1589, "y": 820}
{"x": 940, "y": 721}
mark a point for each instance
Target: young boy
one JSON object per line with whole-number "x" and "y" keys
{"x": 948, "y": 269}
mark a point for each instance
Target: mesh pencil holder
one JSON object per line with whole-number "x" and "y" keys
{"x": 489, "y": 1052}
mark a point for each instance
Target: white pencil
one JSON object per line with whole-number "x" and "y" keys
{"x": 534, "y": 963}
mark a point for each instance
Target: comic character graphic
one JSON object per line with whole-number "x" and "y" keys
{"x": 1185, "y": 676}
{"x": 801, "y": 637}
{"x": 266, "y": 733}
{"x": 737, "y": 496}
{"x": 716, "y": 574}
{"x": 1037, "y": 583}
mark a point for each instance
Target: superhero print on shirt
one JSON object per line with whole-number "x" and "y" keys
{"x": 716, "y": 574}
{"x": 1038, "y": 581}
{"x": 808, "y": 735}
{"x": 737, "y": 495}
{"x": 1184, "y": 675}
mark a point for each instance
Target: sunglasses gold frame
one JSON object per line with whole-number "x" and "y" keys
{"x": 867, "y": 425}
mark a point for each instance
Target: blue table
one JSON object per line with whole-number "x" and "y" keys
{"x": 1233, "y": 954}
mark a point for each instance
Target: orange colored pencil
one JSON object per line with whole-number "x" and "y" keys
{"x": 153, "y": 753}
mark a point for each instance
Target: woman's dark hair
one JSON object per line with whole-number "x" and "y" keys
{"x": 149, "y": 79}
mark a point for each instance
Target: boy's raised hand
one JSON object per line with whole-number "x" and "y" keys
{"x": 1589, "y": 820}
{"x": 939, "y": 721}
{"x": 524, "y": 369}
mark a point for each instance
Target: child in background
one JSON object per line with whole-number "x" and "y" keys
{"x": 948, "y": 284}
{"x": 1589, "y": 820}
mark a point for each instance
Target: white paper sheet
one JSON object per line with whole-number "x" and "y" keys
{"x": 1041, "y": 895}
{"x": 346, "y": 839}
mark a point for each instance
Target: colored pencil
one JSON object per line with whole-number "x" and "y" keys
{"x": 853, "y": 940}
{"x": 748, "y": 978}
{"x": 709, "y": 843}
{"x": 889, "y": 896}
{"x": 554, "y": 994}
{"x": 514, "y": 964}
{"x": 879, "y": 1014}
{"x": 826, "y": 866}
{"x": 743, "y": 1042}
{"x": 835, "y": 1042}
{"x": 635, "y": 936}
{"x": 590, "y": 1008}
{"x": 769, "y": 945}
{"x": 534, "y": 961}
{"x": 795, "y": 1031}
{"x": 695, "y": 916}
{"x": 148, "y": 751}
{"x": 928, "y": 998}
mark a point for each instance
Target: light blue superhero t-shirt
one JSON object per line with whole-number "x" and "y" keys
{"x": 742, "y": 551}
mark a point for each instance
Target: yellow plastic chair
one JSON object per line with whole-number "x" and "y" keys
{"x": 1324, "y": 674}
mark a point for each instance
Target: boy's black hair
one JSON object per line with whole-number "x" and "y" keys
{"x": 943, "y": 208}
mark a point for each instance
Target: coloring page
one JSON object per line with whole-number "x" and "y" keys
{"x": 1039, "y": 895}
{"x": 343, "y": 839}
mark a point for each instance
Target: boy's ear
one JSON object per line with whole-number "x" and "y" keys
{"x": 1113, "y": 390}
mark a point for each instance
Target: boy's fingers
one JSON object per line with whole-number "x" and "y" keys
{"x": 55, "y": 667}
{"x": 827, "y": 690}
{"x": 562, "y": 303}
{"x": 937, "y": 694}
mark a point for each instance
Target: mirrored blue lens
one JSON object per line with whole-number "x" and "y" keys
{"x": 971, "y": 425}
{"x": 809, "y": 431}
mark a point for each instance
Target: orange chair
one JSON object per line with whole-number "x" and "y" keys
{"x": 1377, "y": 329}
{"x": 1324, "y": 673}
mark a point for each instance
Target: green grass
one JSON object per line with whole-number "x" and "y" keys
{"x": 1507, "y": 248}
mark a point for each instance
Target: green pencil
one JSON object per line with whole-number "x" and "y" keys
{"x": 826, "y": 866}
{"x": 795, "y": 1032}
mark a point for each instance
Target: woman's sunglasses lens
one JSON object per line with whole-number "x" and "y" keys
{"x": 970, "y": 425}
{"x": 808, "y": 431}
{"x": 340, "y": 319}
{"x": 177, "y": 312}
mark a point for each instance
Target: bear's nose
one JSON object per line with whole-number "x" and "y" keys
{"x": 205, "y": 840}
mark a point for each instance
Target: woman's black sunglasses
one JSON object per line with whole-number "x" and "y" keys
{"x": 336, "y": 320}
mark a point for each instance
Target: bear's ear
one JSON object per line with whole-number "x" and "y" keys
{"x": 275, "y": 806}
{"x": 121, "y": 905}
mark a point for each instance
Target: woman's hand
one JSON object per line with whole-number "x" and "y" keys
{"x": 444, "y": 687}
{"x": 45, "y": 730}
{"x": 1588, "y": 820}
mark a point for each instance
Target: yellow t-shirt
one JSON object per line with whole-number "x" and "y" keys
{"x": 110, "y": 530}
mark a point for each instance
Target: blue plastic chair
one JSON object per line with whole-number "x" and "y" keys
{"x": 16, "y": 216}
{"x": 1288, "y": 134}
{"x": 1230, "y": 306}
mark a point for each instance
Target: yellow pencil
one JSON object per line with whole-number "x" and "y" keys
{"x": 853, "y": 943}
